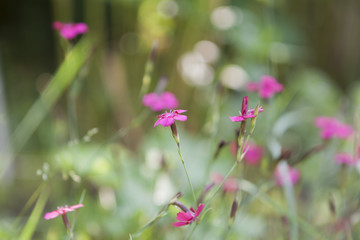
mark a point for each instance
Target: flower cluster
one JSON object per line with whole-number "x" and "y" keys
{"x": 332, "y": 128}
{"x": 266, "y": 88}
{"x": 70, "y": 30}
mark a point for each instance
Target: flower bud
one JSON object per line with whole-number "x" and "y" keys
{"x": 233, "y": 211}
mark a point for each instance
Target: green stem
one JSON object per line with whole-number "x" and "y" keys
{"x": 215, "y": 192}
{"x": 187, "y": 174}
{"x": 290, "y": 199}
{"x": 192, "y": 230}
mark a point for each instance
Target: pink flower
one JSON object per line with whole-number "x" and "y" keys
{"x": 70, "y": 30}
{"x": 185, "y": 218}
{"x": 245, "y": 113}
{"x": 253, "y": 154}
{"x": 167, "y": 119}
{"x": 267, "y": 87}
{"x": 293, "y": 176}
{"x": 230, "y": 185}
{"x": 158, "y": 102}
{"x": 61, "y": 211}
{"x": 331, "y": 127}
{"x": 345, "y": 158}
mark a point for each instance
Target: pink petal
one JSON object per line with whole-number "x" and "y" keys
{"x": 249, "y": 116}
{"x": 293, "y": 175}
{"x": 169, "y": 100}
{"x": 50, "y": 215}
{"x": 150, "y": 99}
{"x": 245, "y": 104}
{"x": 77, "y": 206}
{"x": 251, "y": 111}
{"x": 166, "y": 122}
{"x": 323, "y": 121}
{"x": 80, "y": 28}
{"x": 266, "y": 93}
{"x": 180, "y": 111}
{"x": 179, "y": 224}
{"x": 344, "y": 131}
{"x": 57, "y": 25}
{"x": 344, "y": 158}
{"x": 68, "y": 32}
{"x": 184, "y": 216}
{"x": 180, "y": 117}
{"x": 237, "y": 118}
{"x": 253, "y": 154}
{"x": 198, "y": 211}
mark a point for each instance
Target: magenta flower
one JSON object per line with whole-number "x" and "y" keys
{"x": 159, "y": 102}
{"x": 266, "y": 88}
{"x": 167, "y": 119}
{"x": 332, "y": 128}
{"x": 345, "y": 158}
{"x": 293, "y": 176}
{"x": 230, "y": 185}
{"x": 253, "y": 154}
{"x": 245, "y": 113}
{"x": 185, "y": 218}
{"x": 61, "y": 211}
{"x": 70, "y": 30}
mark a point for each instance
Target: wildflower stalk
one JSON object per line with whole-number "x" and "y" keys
{"x": 290, "y": 199}
{"x": 160, "y": 214}
{"x": 148, "y": 70}
{"x": 30, "y": 226}
{"x": 177, "y": 140}
{"x": 71, "y": 235}
{"x": 240, "y": 156}
{"x": 187, "y": 174}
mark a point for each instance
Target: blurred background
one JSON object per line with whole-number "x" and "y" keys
{"x": 209, "y": 50}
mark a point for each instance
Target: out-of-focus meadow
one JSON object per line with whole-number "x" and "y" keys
{"x": 73, "y": 128}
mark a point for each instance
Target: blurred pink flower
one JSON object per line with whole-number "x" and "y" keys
{"x": 293, "y": 176}
{"x": 245, "y": 113}
{"x": 230, "y": 185}
{"x": 267, "y": 87}
{"x": 167, "y": 119}
{"x": 158, "y": 102}
{"x": 185, "y": 218}
{"x": 61, "y": 211}
{"x": 331, "y": 127}
{"x": 70, "y": 30}
{"x": 253, "y": 154}
{"x": 345, "y": 158}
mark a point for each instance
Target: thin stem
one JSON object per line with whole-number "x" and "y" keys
{"x": 192, "y": 230}
{"x": 290, "y": 199}
{"x": 215, "y": 192}
{"x": 187, "y": 174}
